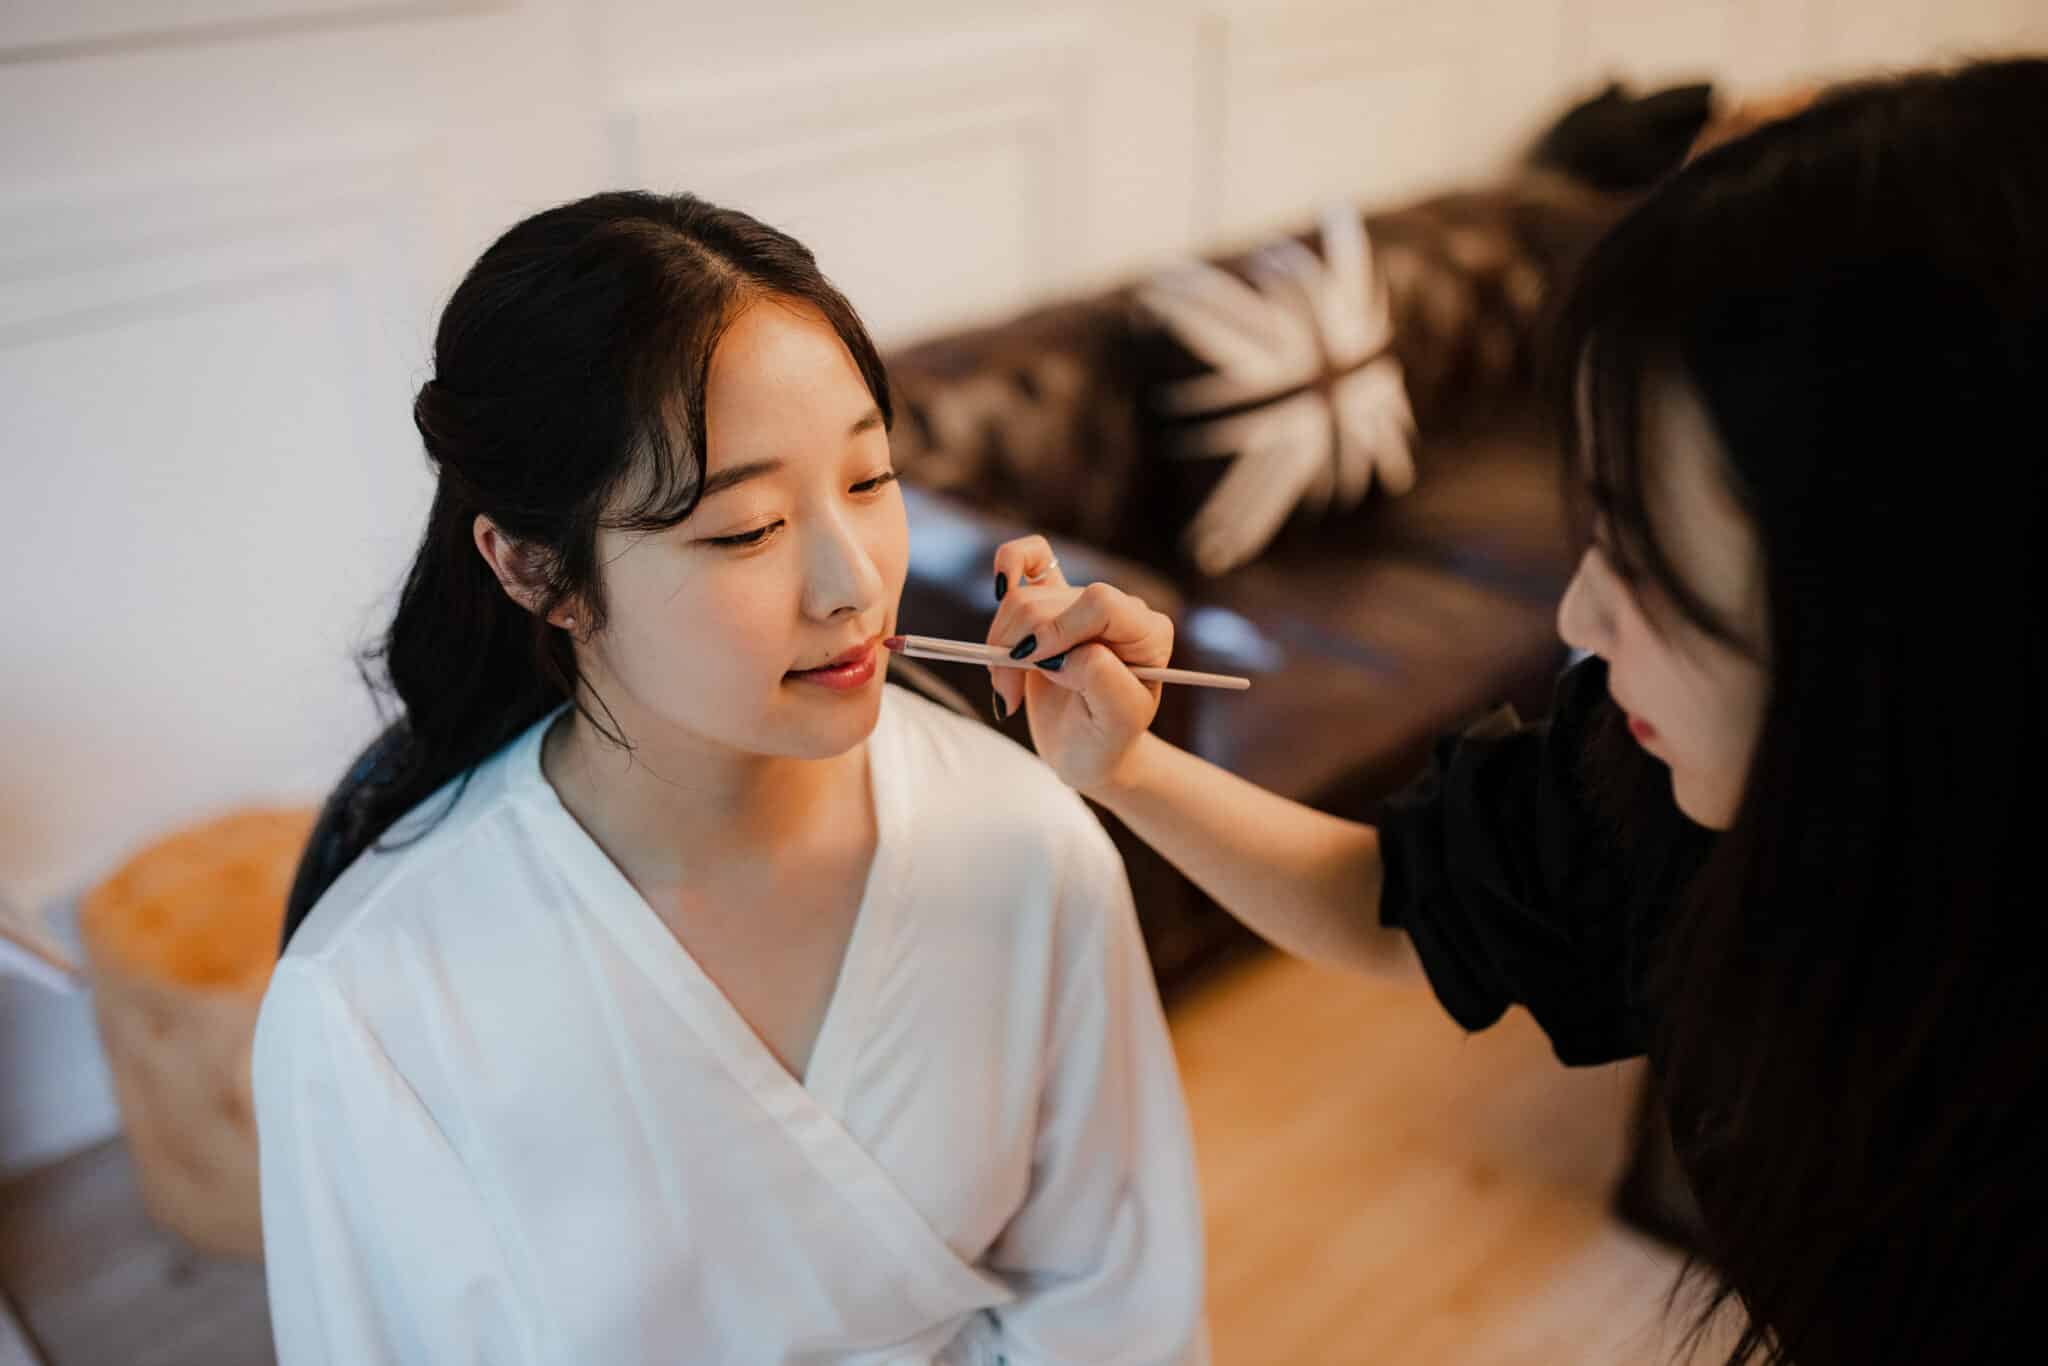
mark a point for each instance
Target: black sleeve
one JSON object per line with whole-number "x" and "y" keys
{"x": 1517, "y": 887}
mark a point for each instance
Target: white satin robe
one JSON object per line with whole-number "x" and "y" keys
{"x": 506, "y": 1118}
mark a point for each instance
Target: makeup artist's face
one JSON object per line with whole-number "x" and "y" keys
{"x": 1693, "y": 700}
{"x": 756, "y": 624}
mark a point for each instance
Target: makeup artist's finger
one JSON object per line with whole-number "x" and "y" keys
{"x": 1022, "y": 611}
{"x": 1008, "y": 686}
{"x": 1006, "y": 627}
{"x": 1110, "y": 616}
{"x": 1025, "y": 610}
{"x": 1117, "y": 700}
{"x": 1025, "y": 559}
{"x": 1009, "y": 683}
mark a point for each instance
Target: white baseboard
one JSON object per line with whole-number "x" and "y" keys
{"x": 55, "y": 1094}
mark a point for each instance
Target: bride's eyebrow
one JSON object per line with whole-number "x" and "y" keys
{"x": 736, "y": 474}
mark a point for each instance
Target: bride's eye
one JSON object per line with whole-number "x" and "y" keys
{"x": 746, "y": 538}
{"x": 876, "y": 484}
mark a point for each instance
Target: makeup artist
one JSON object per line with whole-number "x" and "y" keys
{"x": 1774, "y": 834}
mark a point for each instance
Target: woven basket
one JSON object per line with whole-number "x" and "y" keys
{"x": 179, "y": 944}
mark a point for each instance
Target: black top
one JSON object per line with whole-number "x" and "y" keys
{"x": 1517, "y": 887}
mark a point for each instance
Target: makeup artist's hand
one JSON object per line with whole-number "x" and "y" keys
{"x": 1085, "y": 708}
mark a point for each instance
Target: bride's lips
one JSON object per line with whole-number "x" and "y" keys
{"x": 843, "y": 674}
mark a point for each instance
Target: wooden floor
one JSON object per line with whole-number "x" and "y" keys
{"x": 1383, "y": 1188}
{"x": 94, "y": 1283}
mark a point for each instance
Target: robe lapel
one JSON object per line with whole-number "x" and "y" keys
{"x": 939, "y": 1283}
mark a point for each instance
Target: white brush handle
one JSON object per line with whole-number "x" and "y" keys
{"x": 994, "y": 656}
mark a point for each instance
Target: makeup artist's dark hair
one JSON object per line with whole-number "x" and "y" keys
{"x": 1852, "y": 1004}
{"x": 567, "y": 395}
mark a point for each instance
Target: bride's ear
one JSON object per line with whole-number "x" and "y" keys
{"x": 511, "y": 561}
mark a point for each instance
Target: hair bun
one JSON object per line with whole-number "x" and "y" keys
{"x": 436, "y": 416}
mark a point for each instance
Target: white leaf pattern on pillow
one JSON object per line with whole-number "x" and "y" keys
{"x": 1302, "y": 388}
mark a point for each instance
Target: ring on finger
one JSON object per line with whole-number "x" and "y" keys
{"x": 1050, "y": 568}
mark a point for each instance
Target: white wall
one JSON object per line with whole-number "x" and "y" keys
{"x": 226, "y": 226}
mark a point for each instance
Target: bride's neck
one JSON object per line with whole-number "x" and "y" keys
{"x": 672, "y": 804}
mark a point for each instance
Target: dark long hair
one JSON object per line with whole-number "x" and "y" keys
{"x": 1853, "y": 1003}
{"x": 567, "y": 396}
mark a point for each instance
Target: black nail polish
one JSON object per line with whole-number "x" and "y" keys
{"x": 1002, "y": 586}
{"x": 1024, "y": 647}
{"x": 1052, "y": 666}
{"x": 996, "y": 703}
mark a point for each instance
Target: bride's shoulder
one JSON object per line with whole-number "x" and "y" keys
{"x": 959, "y": 767}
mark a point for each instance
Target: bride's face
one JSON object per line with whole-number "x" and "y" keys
{"x": 756, "y": 623}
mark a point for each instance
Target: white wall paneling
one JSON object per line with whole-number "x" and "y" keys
{"x": 1752, "y": 46}
{"x": 207, "y": 470}
{"x": 1859, "y": 35}
{"x": 937, "y": 181}
{"x": 1323, "y": 101}
{"x": 48, "y": 30}
{"x": 1683, "y": 40}
{"x": 204, "y": 394}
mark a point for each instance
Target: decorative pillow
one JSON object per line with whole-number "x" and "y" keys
{"x": 1294, "y": 378}
{"x": 1302, "y": 393}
